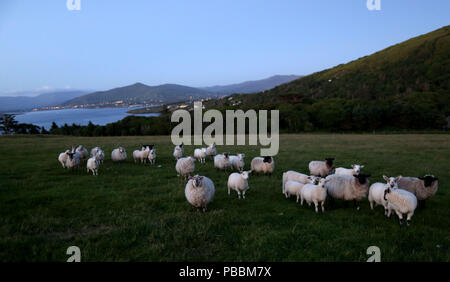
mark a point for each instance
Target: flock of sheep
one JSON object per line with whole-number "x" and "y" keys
{"x": 398, "y": 194}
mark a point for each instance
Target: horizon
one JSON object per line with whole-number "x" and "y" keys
{"x": 90, "y": 45}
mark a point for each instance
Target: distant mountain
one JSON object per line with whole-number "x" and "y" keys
{"x": 252, "y": 86}
{"x": 24, "y": 103}
{"x": 141, "y": 93}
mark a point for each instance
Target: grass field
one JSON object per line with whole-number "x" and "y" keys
{"x": 134, "y": 212}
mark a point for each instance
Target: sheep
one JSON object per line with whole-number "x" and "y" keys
{"x": 321, "y": 168}
{"x": 199, "y": 191}
{"x": 152, "y": 156}
{"x": 178, "y": 152}
{"x": 402, "y": 202}
{"x": 100, "y": 155}
{"x": 95, "y": 150}
{"x": 222, "y": 161}
{"x": 263, "y": 164}
{"x": 92, "y": 165}
{"x": 118, "y": 155}
{"x": 237, "y": 162}
{"x": 314, "y": 194}
{"x": 185, "y": 166}
{"x": 73, "y": 160}
{"x": 356, "y": 169}
{"x": 141, "y": 155}
{"x": 200, "y": 154}
{"x": 63, "y": 157}
{"x": 347, "y": 187}
{"x": 292, "y": 187}
{"x": 299, "y": 177}
{"x": 83, "y": 152}
{"x": 422, "y": 187}
{"x": 211, "y": 150}
{"x": 376, "y": 192}
{"x": 239, "y": 183}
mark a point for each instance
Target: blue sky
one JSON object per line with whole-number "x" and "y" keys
{"x": 111, "y": 43}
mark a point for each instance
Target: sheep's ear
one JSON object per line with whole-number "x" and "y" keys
{"x": 385, "y": 178}
{"x": 361, "y": 166}
{"x": 190, "y": 177}
{"x": 353, "y": 166}
{"x": 421, "y": 178}
{"x": 250, "y": 171}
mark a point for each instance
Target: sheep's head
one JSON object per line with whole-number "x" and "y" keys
{"x": 241, "y": 156}
{"x": 313, "y": 179}
{"x": 362, "y": 178}
{"x": 329, "y": 162}
{"x": 226, "y": 154}
{"x": 197, "y": 180}
{"x": 245, "y": 174}
{"x": 267, "y": 159}
{"x": 70, "y": 155}
{"x": 428, "y": 180}
{"x": 392, "y": 182}
{"x": 321, "y": 182}
{"x": 121, "y": 150}
{"x": 357, "y": 168}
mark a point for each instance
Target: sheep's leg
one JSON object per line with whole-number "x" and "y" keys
{"x": 355, "y": 203}
{"x": 243, "y": 194}
{"x": 371, "y": 205}
{"x": 297, "y": 197}
{"x": 286, "y": 195}
{"x": 400, "y": 217}
{"x": 228, "y": 190}
{"x": 323, "y": 206}
{"x": 389, "y": 212}
{"x": 239, "y": 195}
{"x": 301, "y": 200}
{"x": 408, "y": 219}
{"x": 316, "y": 204}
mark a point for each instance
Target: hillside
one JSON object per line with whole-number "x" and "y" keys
{"x": 23, "y": 103}
{"x": 252, "y": 86}
{"x": 404, "y": 86}
{"x": 141, "y": 93}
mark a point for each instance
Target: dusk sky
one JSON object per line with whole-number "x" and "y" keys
{"x": 110, "y": 43}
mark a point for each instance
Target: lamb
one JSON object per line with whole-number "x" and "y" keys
{"x": 83, "y": 152}
{"x": 152, "y": 156}
{"x": 185, "y": 166}
{"x": 141, "y": 155}
{"x": 239, "y": 183}
{"x": 92, "y": 165}
{"x": 314, "y": 193}
{"x": 376, "y": 192}
{"x": 299, "y": 177}
{"x": 347, "y": 187}
{"x": 263, "y": 164}
{"x": 292, "y": 187}
{"x": 321, "y": 168}
{"x": 356, "y": 169}
{"x": 199, "y": 191}
{"x": 211, "y": 150}
{"x": 73, "y": 160}
{"x": 237, "y": 162}
{"x": 63, "y": 157}
{"x": 200, "y": 154}
{"x": 119, "y": 155}
{"x": 402, "y": 202}
{"x": 222, "y": 161}
{"x": 422, "y": 187}
{"x": 178, "y": 151}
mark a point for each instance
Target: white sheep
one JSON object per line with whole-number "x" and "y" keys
{"x": 185, "y": 166}
{"x": 316, "y": 194}
{"x": 95, "y": 150}
{"x": 63, "y": 157}
{"x": 100, "y": 155}
{"x": 299, "y": 177}
{"x": 199, "y": 191}
{"x": 376, "y": 192}
{"x": 73, "y": 160}
{"x": 178, "y": 151}
{"x": 292, "y": 187}
{"x": 356, "y": 169}
{"x": 211, "y": 150}
{"x": 93, "y": 164}
{"x": 263, "y": 164}
{"x": 141, "y": 155}
{"x": 321, "y": 168}
{"x": 222, "y": 161}
{"x": 422, "y": 187}
{"x": 119, "y": 155}
{"x": 200, "y": 154}
{"x": 237, "y": 162}
{"x": 239, "y": 183}
{"x": 347, "y": 187}
{"x": 402, "y": 202}
{"x": 83, "y": 152}
{"x": 152, "y": 156}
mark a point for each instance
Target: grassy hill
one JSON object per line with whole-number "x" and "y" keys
{"x": 141, "y": 93}
{"x": 404, "y": 86}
